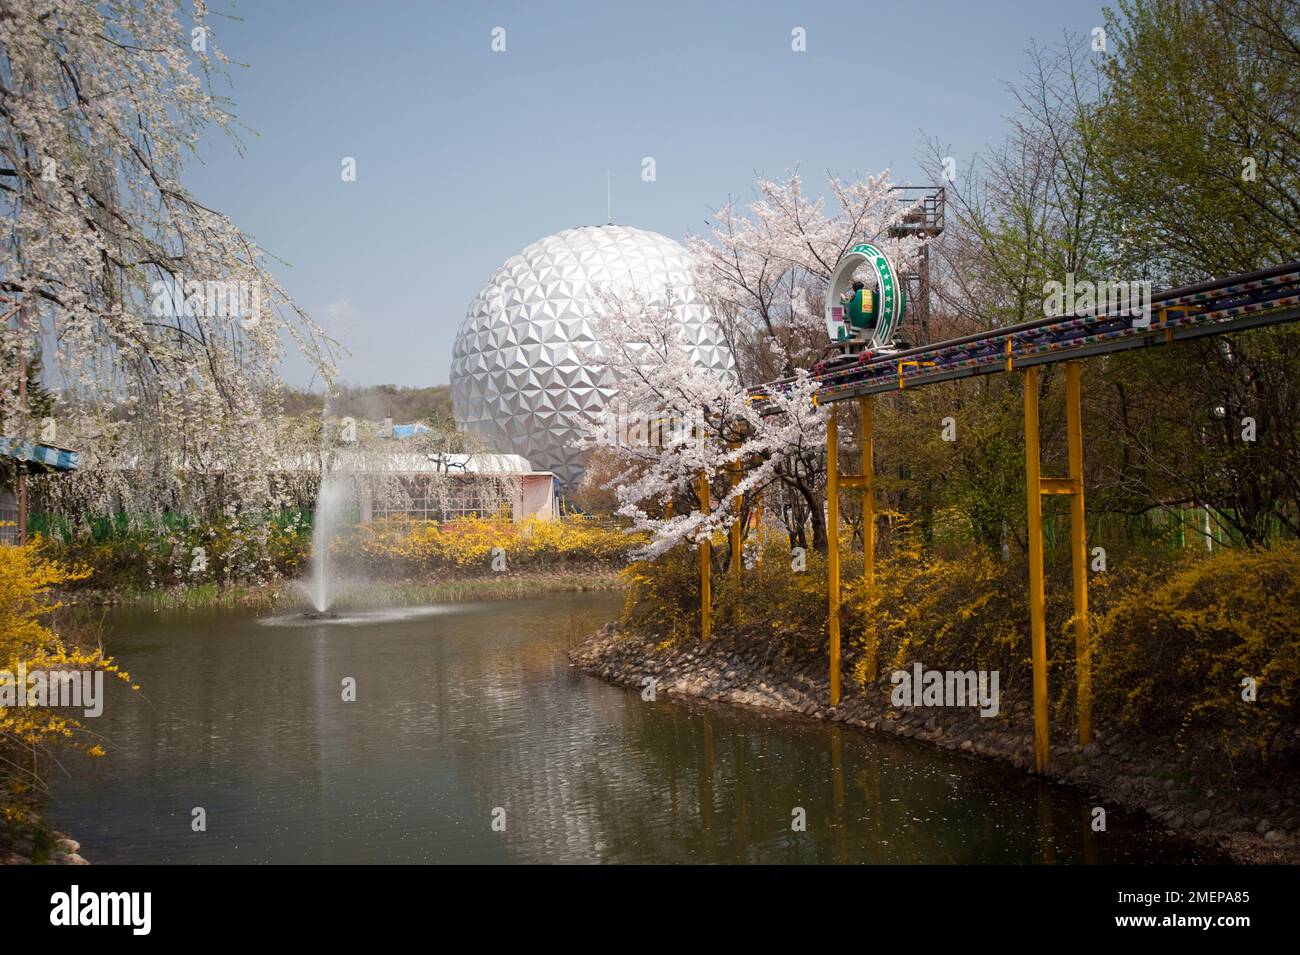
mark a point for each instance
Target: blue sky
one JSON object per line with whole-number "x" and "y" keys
{"x": 464, "y": 156}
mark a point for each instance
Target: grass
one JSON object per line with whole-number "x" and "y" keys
{"x": 42, "y": 844}
{"x": 376, "y": 594}
{"x": 365, "y": 595}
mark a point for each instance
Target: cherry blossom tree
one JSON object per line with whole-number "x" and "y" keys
{"x": 763, "y": 268}
{"x": 159, "y": 318}
{"x": 764, "y": 265}
{"x": 674, "y": 422}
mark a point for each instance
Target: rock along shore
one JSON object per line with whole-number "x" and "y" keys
{"x": 1256, "y": 824}
{"x": 19, "y": 846}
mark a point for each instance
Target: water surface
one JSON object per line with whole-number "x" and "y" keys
{"x": 470, "y": 711}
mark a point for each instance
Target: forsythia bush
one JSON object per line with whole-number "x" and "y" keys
{"x": 1171, "y": 643}
{"x": 967, "y": 612}
{"x": 663, "y": 596}
{"x": 963, "y": 613}
{"x": 1172, "y": 651}
{"x": 27, "y": 642}
{"x": 469, "y": 543}
{"x": 774, "y": 597}
{"x": 133, "y": 556}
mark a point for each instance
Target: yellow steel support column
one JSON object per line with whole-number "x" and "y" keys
{"x": 1037, "y": 625}
{"x": 1079, "y": 554}
{"x": 706, "y": 567}
{"x": 833, "y": 548}
{"x": 866, "y": 430}
{"x": 865, "y": 425}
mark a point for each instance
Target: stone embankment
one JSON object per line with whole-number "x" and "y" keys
{"x": 1256, "y": 824}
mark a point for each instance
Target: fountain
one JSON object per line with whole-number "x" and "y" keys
{"x": 320, "y": 586}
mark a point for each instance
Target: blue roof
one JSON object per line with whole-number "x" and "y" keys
{"x": 409, "y": 430}
{"x": 61, "y": 459}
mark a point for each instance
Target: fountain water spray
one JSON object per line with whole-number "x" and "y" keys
{"x": 329, "y": 506}
{"x": 331, "y": 496}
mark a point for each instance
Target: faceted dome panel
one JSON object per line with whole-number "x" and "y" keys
{"x": 519, "y": 379}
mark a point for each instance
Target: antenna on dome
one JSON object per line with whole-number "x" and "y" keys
{"x": 609, "y": 215}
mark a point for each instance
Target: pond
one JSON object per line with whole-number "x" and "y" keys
{"x": 471, "y": 739}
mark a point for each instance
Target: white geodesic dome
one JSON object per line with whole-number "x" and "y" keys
{"x": 519, "y": 379}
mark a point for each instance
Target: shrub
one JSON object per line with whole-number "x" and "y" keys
{"x": 959, "y": 613}
{"x": 468, "y": 543}
{"x": 1171, "y": 643}
{"x": 138, "y": 555}
{"x": 27, "y": 642}
{"x": 1173, "y": 649}
{"x": 145, "y": 554}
